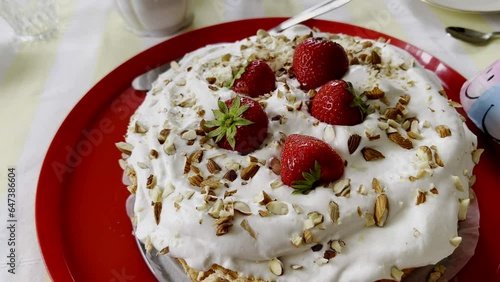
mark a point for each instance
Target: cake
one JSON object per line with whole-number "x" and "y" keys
{"x": 228, "y": 216}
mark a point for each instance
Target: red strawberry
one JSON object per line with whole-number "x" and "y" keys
{"x": 336, "y": 103}
{"x": 307, "y": 161}
{"x": 317, "y": 61}
{"x": 240, "y": 124}
{"x": 257, "y": 79}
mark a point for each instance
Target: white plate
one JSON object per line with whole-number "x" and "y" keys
{"x": 476, "y": 6}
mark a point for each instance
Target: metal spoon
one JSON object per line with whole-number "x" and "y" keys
{"x": 470, "y": 35}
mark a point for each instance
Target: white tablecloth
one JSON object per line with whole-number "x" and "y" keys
{"x": 40, "y": 82}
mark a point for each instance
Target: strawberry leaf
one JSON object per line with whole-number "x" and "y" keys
{"x": 227, "y": 120}
{"x": 357, "y": 101}
{"x": 308, "y": 183}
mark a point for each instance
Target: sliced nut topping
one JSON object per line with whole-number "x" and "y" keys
{"x": 308, "y": 236}
{"x": 242, "y": 207}
{"x": 337, "y": 246}
{"x": 396, "y": 273}
{"x": 264, "y": 213}
{"x": 196, "y": 156}
{"x": 316, "y": 217}
{"x": 455, "y": 241}
{"x": 195, "y": 180}
{"x": 249, "y": 171}
{"x": 342, "y": 188}
{"x": 142, "y": 165}
{"x": 476, "y": 155}
{"x": 246, "y": 226}
{"x": 372, "y": 136}
{"x": 424, "y": 153}
{"x": 334, "y": 211}
{"x": 437, "y": 159}
{"x": 353, "y": 143}
{"x": 157, "y": 211}
{"x": 223, "y": 228}
{"x": 298, "y": 209}
{"x": 375, "y": 93}
{"x": 277, "y": 207}
{"x": 369, "y": 219}
{"x": 169, "y": 148}
{"x": 297, "y": 240}
{"x": 153, "y": 154}
{"x": 381, "y": 210}
{"x": 275, "y": 166}
{"x": 371, "y": 154}
{"x": 189, "y": 135}
{"x": 400, "y": 140}
{"x": 421, "y": 197}
{"x": 151, "y": 182}
{"x": 276, "y": 267}
{"x": 230, "y": 175}
{"x": 317, "y": 248}
{"x": 187, "y": 166}
{"x": 213, "y": 167}
{"x": 458, "y": 183}
{"x": 125, "y": 148}
{"x": 462, "y": 209}
{"x": 376, "y": 186}
{"x": 211, "y": 182}
{"x": 263, "y": 198}
{"x": 329, "y": 254}
{"x": 162, "y": 137}
{"x": 296, "y": 266}
{"x": 434, "y": 191}
{"x": 140, "y": 128}
{"x": 329, "y": 135}
{"x": 443, "y": 131}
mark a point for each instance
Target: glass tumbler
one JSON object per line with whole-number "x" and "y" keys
{"x": 31, "y": 19}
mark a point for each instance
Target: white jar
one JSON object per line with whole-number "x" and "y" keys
{"x": 155, "y": 17}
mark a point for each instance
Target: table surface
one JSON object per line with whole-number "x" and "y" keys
{"x": 40, "y": 82}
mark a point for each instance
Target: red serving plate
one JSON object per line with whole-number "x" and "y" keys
{"x": 83, "y": 229}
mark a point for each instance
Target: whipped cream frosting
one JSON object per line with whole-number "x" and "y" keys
{"x": 427, "y": 186}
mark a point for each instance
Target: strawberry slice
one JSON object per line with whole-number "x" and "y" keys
{"x": 336, "y": 103}
{"x": 257, "y": 79}
{"x": 317, "y": 61}
{"x": 307, "y": 161}
{"x": 240, "y": 125}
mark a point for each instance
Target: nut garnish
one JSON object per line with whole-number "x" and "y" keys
{"x": 246, "y": 226}
{"x": 125, "y": 147}
{"x": 353, "y": 143}
{"x": 462, "y": 209}
{"x": 458, "y": 183}
{"x": 342, "y": 188}
{"x": 369, "y": 219}
{"x": 298, "y": 209}
{"x": 196, "y": 156}
{"x": 443, "y": 131}
{"x": 371, "y": 154}
{"x": 169, "y": 148}
{"x": 263, "y": 198}
{"x": 242, "y": 207}
{"x": 151, "y": 182}
{"x": 297, "y": 240}
{"x": 157, "y": 211}
{"x": 276, "y": 267}
{"x": 249, "y": 171}
{"x": 140, "y": 128}
{"x": 437, "y": 159}
{"x": 376, "y": 186}
{"x": 296, "y": 266}
{"x": 381, "y": 210}
{"x": 275, "y": 166}
{"x": 308, "y": 236}
{"x": 334, "y": 211}
{"x": 223, "y": 228}
{"x": 375, "y": 93}
{"x": 213, "y": 167}
{"x": 163, "y": 135}
{"x": 476, "y": 155}
{"x": 337, "y": 246}
{"x": 153, "y": 154}
{"x": 230, "y": 175}
{"x": 455, "y": 241}
{"x": 421, "y": 197}
{"x": 396, "y": 273}
{"x": 277, "y": 207}
{"x": 372, "y": 136}
{"x": 434, "y": 191}
{"x": 400, "y": 140}
{"x": 196, "y": 180}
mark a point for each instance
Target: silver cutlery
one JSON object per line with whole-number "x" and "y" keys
{"x": 470, "y": 35}
{"x": 144, "y": 81}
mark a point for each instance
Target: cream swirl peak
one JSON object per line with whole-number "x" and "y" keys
{"x": 408, "y": 168}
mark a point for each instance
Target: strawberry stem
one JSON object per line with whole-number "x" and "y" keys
{"x": 227, "y": 120}
{"x": 357, "y": 101}
{"x": 308, "y": 183}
